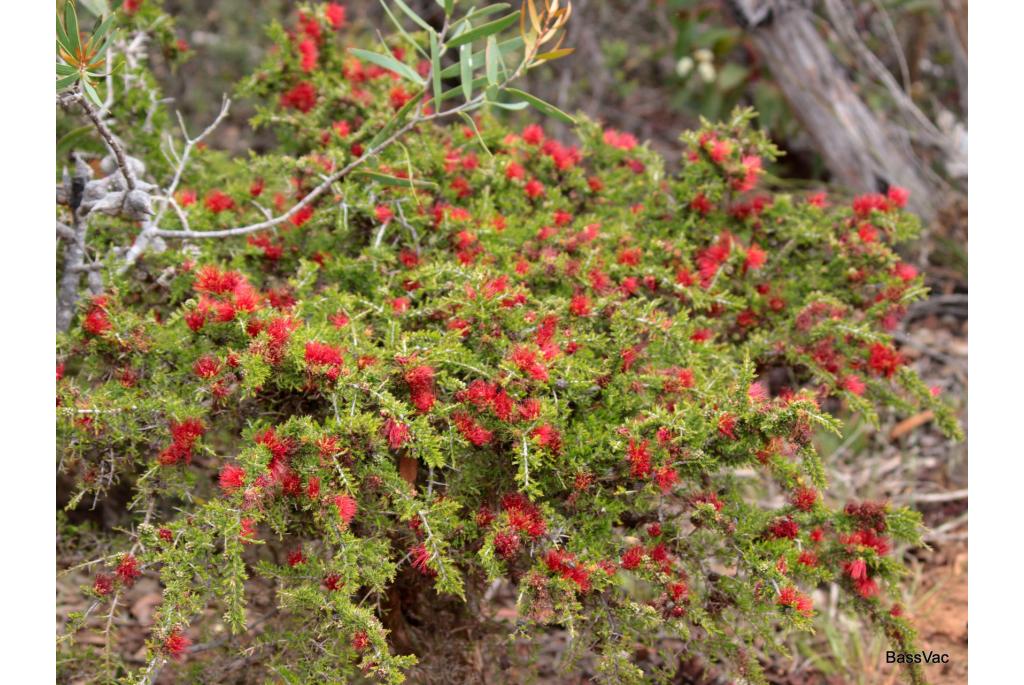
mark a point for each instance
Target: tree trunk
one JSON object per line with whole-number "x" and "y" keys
{"x": 862, "y": 150}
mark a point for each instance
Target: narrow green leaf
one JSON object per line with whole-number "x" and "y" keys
{"x": 398, "y": 25}
{"x": 514, "y": 106}
{"x": 492, "y": 56}
{"x": 466, "y": 69}
{"x": 389, "y": 63}
{"x": 554, "y": 54}
{"x": 71, "y": 26}
{"x": 449, "y": 7}
{"x": 397, "y": 181}
{"x": 540, "y": 105}
{"x": 504, "y": 47}
{"x": 62, "y": 36}
{"x": 435, "y": 69}
{"x": 415, "y": 17}
{"x": 469, "y": 120}
{"x": 97, "y": 7}
{"x": 475, "y": 13}
{"x": 92, "y": 94}
{"x": 484, "y": 30}
{"x": 66, "y": 81}
{"x": 65, "y": 69}
{"x": 97, "y": 37}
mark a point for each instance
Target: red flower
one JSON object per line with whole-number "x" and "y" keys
{"x": 756, "y": 257}
{"x": 309, "y": 54}
{"x": 301, "y": 97}
{"x": 333, "y": 582}
{"x": 206, "y": 367}
{"x": 854, "y": 384}
{"x": 420, "y": 560}
{"x": 232, "y": 478}
{"x": 295, "y": 557}
{"x": 547, "y": 436}
{"x": 639, "y": 458}
{"x": 533, "y": 189}
{"x": 898, "y": 196}
{"x": 421, "y": 387}
{"x": 785, "y": 528}
{"x": 506, "y": 544}
{"x": 324, "y": 358}
{"x": 884, "y": 360}
{"x": 360, "y": 641}
{"x": 727, "y": 426}
{"x": 103, "y": 585}
{"x": 128, "y": 570}
{"x": 383, "y": 213}
{"x": 346, "y": 507}
{"x": 397, "y": 434}
{"x": 804, "y": 499}
{"x": 471, "y": 430}
{"x": 176, "y": 643}
{"x": 335, "y": 14}
{"x": 218, "y": 202}
{"x": 790, "y": 597}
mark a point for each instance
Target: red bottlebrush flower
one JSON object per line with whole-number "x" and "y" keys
{"x": 526, "y": 360}
{"x": 360, "y": 641}
{"x": 548, "y": 437}
{"x": 856, "y": 569}
{"x": 790, "y": 597}
{"x": 248, "y": 529}
{"x": 471, "y": 430}
{"x": 176, "y": 643}
{"x": 321, "y": 357}
{"x": 295, "y": 557}
{"x": 383, "y": 213}
{"x": 398, "y": 96}
{"x": 103, "y": 585}
{"x": 421, "y": 559}
{"x": 863, "y": 205}
{"x": 218, "y": 202}
{"x": 533, "y": 189}
{"x": 639, "y": 458}
{"x": 97, "y": 322}
{"x": 313, "y": 487}
{"x": 884, "y": 360}
{"x": 301, "y": 216}
{"x": 309, "y": 54}
{"x": 335, "y": 14}
{"x": 206, "y": 367}
{"x": 256, "y": 187}
{"x": 400, "y": 305}
{"x": 727, "y": 426}
{"x": 677, "y": 591}
{"x": 808, "y": 558}
{"x": 720, "y": 149}
{"x": 165, "y": 534}
{"x": 128, "y": 570}
{"x": 346, "y": 507}
{"x": 804, "y": 499}
{"x": 898, "y": 196}
{"x": 333, "y": 582}
{"x": 623, "y": 141}
{"x": 339, "y": 320}
{"x": 757, "y": 393}
{"x": 397, "y": 434}
{"x": 186, "y": 198}
{"x": 784, "y": 528}
{"x": 533, "y": 134}
{"x": 708, "y": 498}
{"x": 301, "y": 97}
{"x": 654, "y": 530}
{"x": 817, "y": 535}
{"x": 506, "y": 543}
{"x": 701, "y": 335}
{"x": 867, "y": 587}
{"x": 701, "y": 204}
{"x": 854, "y": 384}
{"x": 896, "y": 611}
{"x": 666, "y": 477}
{"x": 905, "y": 272}
{"x": 232, "y": 478}
{"x": 756, "y": 258}
{"x": 421, "y": 387}
{"x": 818, "y": 199}
{"x": 633, "y": 557}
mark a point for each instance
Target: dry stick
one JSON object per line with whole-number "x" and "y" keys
{"x": 149, "y": 228}
{"x": 108, "y": 138}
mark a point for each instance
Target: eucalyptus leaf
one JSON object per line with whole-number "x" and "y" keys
{"x": 466, "y": 70}
{"x": 389, "y": 63}
{"x": 71, "y": 26}
{"x": 415, "y": 17}
{"x": 492, "y": 56}
{"x": 541, "y": 106}
{"x": 435, "y": 68}
{"x": 484, "y": 30}
{"x": 389, "y": 180}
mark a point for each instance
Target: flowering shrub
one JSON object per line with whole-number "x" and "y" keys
{"x": 484, "y": 356}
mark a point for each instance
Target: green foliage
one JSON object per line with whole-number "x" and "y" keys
{"x": 485, "y": 356}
